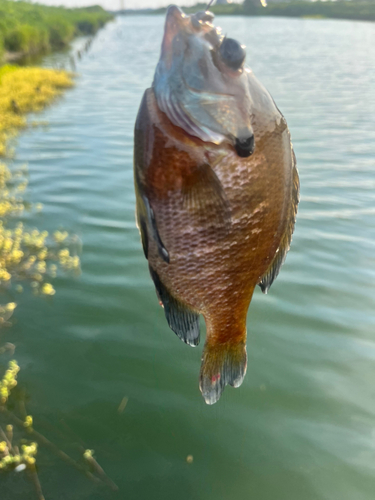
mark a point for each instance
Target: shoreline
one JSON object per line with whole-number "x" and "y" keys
{"x": 16, "y": 57}
{"x": 13, "y": 56}
{"x": 318, "y": 17}
{"x": 339, "y": 10}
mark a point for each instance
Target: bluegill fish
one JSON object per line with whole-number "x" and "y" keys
{"x": 217, "y": 191}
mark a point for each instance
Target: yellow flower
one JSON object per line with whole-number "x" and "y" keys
{"x": 88, "y": 454}
{"x": 47, "y": 289}
{"x": 41, "y": 267}
{"x": 60, "y": 236}
{"x": 28, "y": 421}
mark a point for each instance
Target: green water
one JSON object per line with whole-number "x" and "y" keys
{"x": 301, "y": 427}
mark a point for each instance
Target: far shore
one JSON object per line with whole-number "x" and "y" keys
{"x": 340, "y": 9}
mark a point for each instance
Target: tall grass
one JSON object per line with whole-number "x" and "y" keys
{"x": 30, "y": 28}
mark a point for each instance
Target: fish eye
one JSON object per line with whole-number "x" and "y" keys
{"x": 232, "y": 53}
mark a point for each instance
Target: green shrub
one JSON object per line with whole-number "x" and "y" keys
{"x": 29, "y": 28}
{"x": 60, "y": 32}
{"x": 86, "y": 26}
{"x": 17, "y": 40}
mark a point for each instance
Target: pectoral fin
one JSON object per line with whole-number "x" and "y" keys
{"x": 144, "y": 234}
{"x": 181, "y": 319}
{"x": 154, "y": 230}
{"x": 203, "y": 194}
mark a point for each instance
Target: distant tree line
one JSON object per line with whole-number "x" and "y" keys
{"x": 341, "y": 9}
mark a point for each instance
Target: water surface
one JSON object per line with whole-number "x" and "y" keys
{"x": 301, "y": 427}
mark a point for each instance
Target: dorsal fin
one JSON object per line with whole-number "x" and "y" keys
{"x": 273, "y": 270}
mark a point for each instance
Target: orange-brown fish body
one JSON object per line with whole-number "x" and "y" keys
{"x": 213, "y": 225}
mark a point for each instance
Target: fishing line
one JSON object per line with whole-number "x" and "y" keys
{"x": 209, "y": 5}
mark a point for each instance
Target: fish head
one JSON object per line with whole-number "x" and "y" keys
{"x": 201, "y": 83}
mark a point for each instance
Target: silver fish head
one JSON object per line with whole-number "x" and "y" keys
{"x": 201, "y": 83}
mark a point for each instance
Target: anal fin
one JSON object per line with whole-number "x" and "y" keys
{"x": 181, "y": 319}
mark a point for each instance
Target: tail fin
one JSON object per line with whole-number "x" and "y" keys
{"x": 222, "y": 364}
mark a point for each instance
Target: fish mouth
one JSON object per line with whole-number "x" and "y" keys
{"x": 200, "y": 81}
{"x": 177, "y": 19}
{"x": 177, "y": 22}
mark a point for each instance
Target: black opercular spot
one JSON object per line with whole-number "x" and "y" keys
{"x": 245, "y": 147}
{"x": 232, "y": 53}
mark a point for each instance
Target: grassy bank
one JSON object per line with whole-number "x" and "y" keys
{"x": 28, "y": 28}
{"x": 24, "y": 255}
